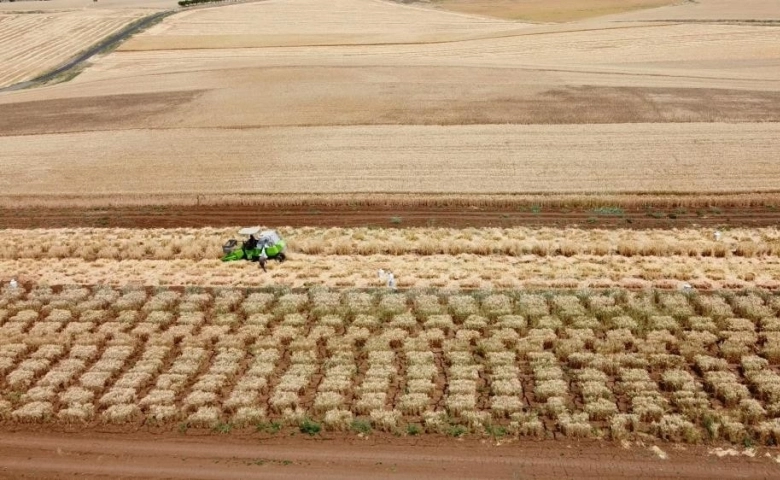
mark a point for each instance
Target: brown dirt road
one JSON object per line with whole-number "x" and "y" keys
{"x": 174, "y": 216}
{"x": 28, "y": 455}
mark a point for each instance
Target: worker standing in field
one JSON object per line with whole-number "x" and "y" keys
{"x": 250, "y": 244}
{"x": 263, "y": 258}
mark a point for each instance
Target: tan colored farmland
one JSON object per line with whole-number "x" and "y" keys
{"x": 34, "y": 43}
{"x": 459, "y": 272}
{"x": 626, "y": 121}
{"x": 549, "y": 10}
{"x": 709, "y": 10}
{"x": 420, "y": 258}
{"x": 205, "y": 243}
{"x": 47, "y": 6}
{"x": 306, "y": 22}
{"x": 369, "y": 96}
{"x": 477, "y": 159}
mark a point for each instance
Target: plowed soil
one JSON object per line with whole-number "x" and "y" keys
{"x": 92, "y": 455}
{"x": 231, "y": 215}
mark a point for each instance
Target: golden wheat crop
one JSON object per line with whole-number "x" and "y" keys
{"x": 490, "y": 258}
{"x": 707, "y": 203}
{"x": 37, "y": 42}
{"x": 514, "y": 363}
{"x": 205, "y": 243}
{"x": 356, "y": 104}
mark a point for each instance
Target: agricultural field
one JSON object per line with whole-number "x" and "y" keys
{"x": 621, "y": 365}
{"x": 468, "y": 259}
{"x": 354, "y": 104}
{"x": 34, "y": 43}
{"x": 577, "y": 199}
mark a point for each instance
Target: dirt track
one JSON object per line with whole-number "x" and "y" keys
{"x": 143, "y": 455}
{"x": 317, "y": 215}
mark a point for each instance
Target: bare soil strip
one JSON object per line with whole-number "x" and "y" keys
{"x": 171, "y": 216}
{"x": 35, "y": 454}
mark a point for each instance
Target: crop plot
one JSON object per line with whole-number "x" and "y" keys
{"x": 681, "y": 367}
{"x": 34, "y": 43}
{"x": 469, "y": 259}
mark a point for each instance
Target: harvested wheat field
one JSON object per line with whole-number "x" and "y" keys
{"x": 34, "y": 43}
{"x": 577, "y": 199}
{"x": 372, "y": 96}
{"x": 486, "y": 258}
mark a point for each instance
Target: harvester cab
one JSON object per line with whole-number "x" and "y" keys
{"x": 258, "y": 246}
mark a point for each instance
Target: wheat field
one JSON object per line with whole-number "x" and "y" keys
{"x": 721, "y": 158}
{"x": 619, "y": 365}
{"x": 204, "y": 243}
{"x": 368, "y": 106}
{"x": 457, "y": 259}
{"x": 34, "y": 43}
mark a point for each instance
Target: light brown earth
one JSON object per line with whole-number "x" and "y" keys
{"x": 547, "y": 10}
{"x": 709, "y": 10}
{"x": 29, "y": 455}
{"x": 370, "y": 96}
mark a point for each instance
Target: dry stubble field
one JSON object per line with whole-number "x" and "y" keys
{"x": 496, "y": 335}
{"x": 504, "y": 107}
{"x": 34, "y": 43}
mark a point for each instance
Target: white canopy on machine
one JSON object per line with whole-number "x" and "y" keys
{"x": 270, "y": 236}
{"x": 249, "y": 231}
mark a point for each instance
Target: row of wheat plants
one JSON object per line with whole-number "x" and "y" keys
{"x": 196, "y": 244}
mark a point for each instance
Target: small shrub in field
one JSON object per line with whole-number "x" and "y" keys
{"x": 360, "y": 426}
{"x": 310, "y": 427}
